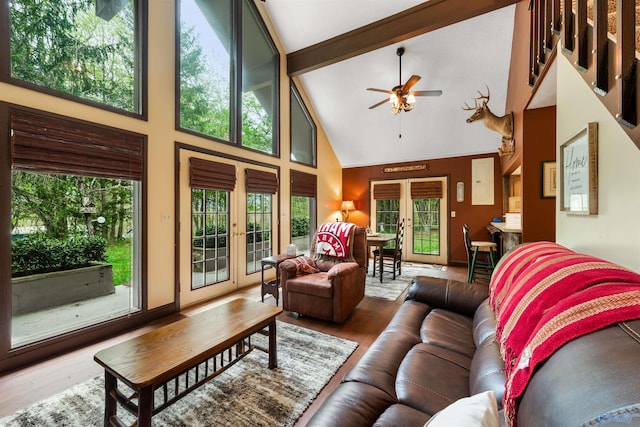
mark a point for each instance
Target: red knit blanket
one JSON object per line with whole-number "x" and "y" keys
{"x": 541, "y": 285}
{"x": 546, "y": 295}
{"x": 509, "y": 268}
{"x": 579, "y": 314}
{"x": 334, "y": 239}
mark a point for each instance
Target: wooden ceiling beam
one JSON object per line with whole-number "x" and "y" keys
{"x": 418, "y": 20}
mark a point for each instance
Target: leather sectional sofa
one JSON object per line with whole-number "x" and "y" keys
{"x": 442, "y": 346}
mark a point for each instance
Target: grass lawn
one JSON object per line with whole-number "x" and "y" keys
{"x": 119, "y": 256}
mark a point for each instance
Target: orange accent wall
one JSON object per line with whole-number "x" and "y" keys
{"x": 356, "y": 186}
{"x": 539, "y": 135}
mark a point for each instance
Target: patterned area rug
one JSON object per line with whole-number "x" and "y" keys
{"x": 247, "y": 394}
{"x": 391, "y": 289}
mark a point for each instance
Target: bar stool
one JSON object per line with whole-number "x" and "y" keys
{"x": 479, "y": 267}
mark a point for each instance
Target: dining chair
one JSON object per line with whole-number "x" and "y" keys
{"x": 392, "y": 255}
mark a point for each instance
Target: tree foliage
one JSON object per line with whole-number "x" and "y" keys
{"x": 62, "y": 45}
{"x": 53, "y": 205}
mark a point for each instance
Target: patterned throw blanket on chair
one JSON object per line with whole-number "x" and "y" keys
{"x": 334, "y": 239}
{"x": 545, "y": 296}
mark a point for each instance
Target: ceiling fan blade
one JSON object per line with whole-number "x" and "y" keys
{"x": 379, "y": 90}
{"x": 384, "y": 101}
{"x": 409, "y": 84}
{"x": 427, "y": 93}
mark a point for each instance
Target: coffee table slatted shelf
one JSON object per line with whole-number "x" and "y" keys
{"x": 179, "y": 357}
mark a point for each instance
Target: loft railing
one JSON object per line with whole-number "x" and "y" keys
{"x": 602, "y": 45}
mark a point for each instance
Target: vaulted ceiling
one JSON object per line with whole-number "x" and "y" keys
{"x": 336, "y": 49}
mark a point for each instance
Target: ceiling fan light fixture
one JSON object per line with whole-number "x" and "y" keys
{"x": 406, "y": 103}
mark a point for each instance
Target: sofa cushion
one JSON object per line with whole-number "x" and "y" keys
{"x": 401, "y": 416}
{"x": 484, "y": 324}
{"x": 379, "y": 366}
{"x": 487, "y": 371}
{"x": 449, "y": 330}
{"x": 311, "y": 284}
{"x": 479, "y": 410}
{"x": 364, "y": 404}
{"x": 421, "y": 384}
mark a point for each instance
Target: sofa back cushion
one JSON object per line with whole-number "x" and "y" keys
{"x": 484, "y": 324}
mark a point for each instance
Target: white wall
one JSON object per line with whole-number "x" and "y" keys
{"x": 614, "y": 233}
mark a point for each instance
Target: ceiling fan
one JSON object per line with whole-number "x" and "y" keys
{"x": 401, "y": 97}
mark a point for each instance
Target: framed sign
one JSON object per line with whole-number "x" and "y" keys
{"x": 579, "y": 172}
{"x": 548, "y": 185}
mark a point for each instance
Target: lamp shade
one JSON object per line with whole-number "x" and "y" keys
{"x": 347, "y": 205}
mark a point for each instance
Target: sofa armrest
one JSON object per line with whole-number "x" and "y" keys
{"x": 342, "y": 268}
{"x": 453, "y": 295}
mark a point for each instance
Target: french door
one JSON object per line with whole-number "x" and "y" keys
{"x": 224, "y": 230}
{"x": 422, "y": 202}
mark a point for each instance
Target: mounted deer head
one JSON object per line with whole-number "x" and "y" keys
{"x": 503, "y": 124}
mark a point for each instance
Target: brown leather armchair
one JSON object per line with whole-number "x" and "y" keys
{"x": 334, "y": 292}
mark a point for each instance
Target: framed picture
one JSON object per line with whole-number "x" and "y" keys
{"x": 548, "y": 187}
{"x": 579, "y": 172}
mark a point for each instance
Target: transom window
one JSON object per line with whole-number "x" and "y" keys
{"x": 86, "y": 50}
{"x": 228, "y": 89}
{"x": 303, "y": 131}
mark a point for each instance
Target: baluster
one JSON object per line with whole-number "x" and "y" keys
{"x": 567, "y": 27}
{"x": 600, "y": 49}
{"x": 582, "y": 35}
{"x": 626, "y": 63}
{"x": 556, "y": 22}
{"x": 546, "y": 23}
{"x": 533, "y": 61}
{"x": 540, "y": 28}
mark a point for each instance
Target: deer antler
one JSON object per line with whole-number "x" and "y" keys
{"x": 467, "y": 107}
{"x": 487, "y": 96}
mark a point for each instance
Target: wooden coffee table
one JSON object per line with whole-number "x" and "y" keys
{"x": 177, "y": 358}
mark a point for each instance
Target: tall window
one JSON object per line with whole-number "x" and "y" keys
{"x": 75, "y": 211}
{"x": 387, "y": 214}
{"x": 211, "y": 186}
{"x": 303, "y": 209}
{"x": 259, "y": 214}
{"x": 210, "y": 237}
{"x": 260, "y": 186}
{"x": 228, "y": 90}
{"x": 303, "y": 131}
{"x": 387, "y": 199}
{"x": 89, "y": 50}
{"x": 426, "y": 226}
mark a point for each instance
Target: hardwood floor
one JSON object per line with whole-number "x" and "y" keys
{"x": 26, "y": 386}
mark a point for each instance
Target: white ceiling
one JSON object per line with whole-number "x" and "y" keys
{"x": 459, "y": 59}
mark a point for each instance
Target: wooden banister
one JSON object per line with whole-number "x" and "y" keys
{"x": 603, "y": 50}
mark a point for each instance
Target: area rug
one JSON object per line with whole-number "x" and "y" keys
{"x": 247, "y": 394}
{"x": 391, "y": 289}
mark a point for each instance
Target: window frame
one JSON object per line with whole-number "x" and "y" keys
{"x": 235, "y": 130}
{"x": 11, "y": 358}
{"x": 304, "y": 184}
{"x": 294, "y": 93}
{"x": 141, "y": 64}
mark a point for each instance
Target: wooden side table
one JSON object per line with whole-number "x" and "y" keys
{"x": 272, "y": 286}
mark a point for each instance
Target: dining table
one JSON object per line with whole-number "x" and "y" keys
{"x": 378, "y": 240}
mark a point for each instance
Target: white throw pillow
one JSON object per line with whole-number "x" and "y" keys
{"x": 477, "y": 410}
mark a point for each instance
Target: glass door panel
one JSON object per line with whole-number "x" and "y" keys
{"x": 425, "y": 238}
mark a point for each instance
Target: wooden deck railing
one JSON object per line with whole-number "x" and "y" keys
{"x": 600, "y": 37}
